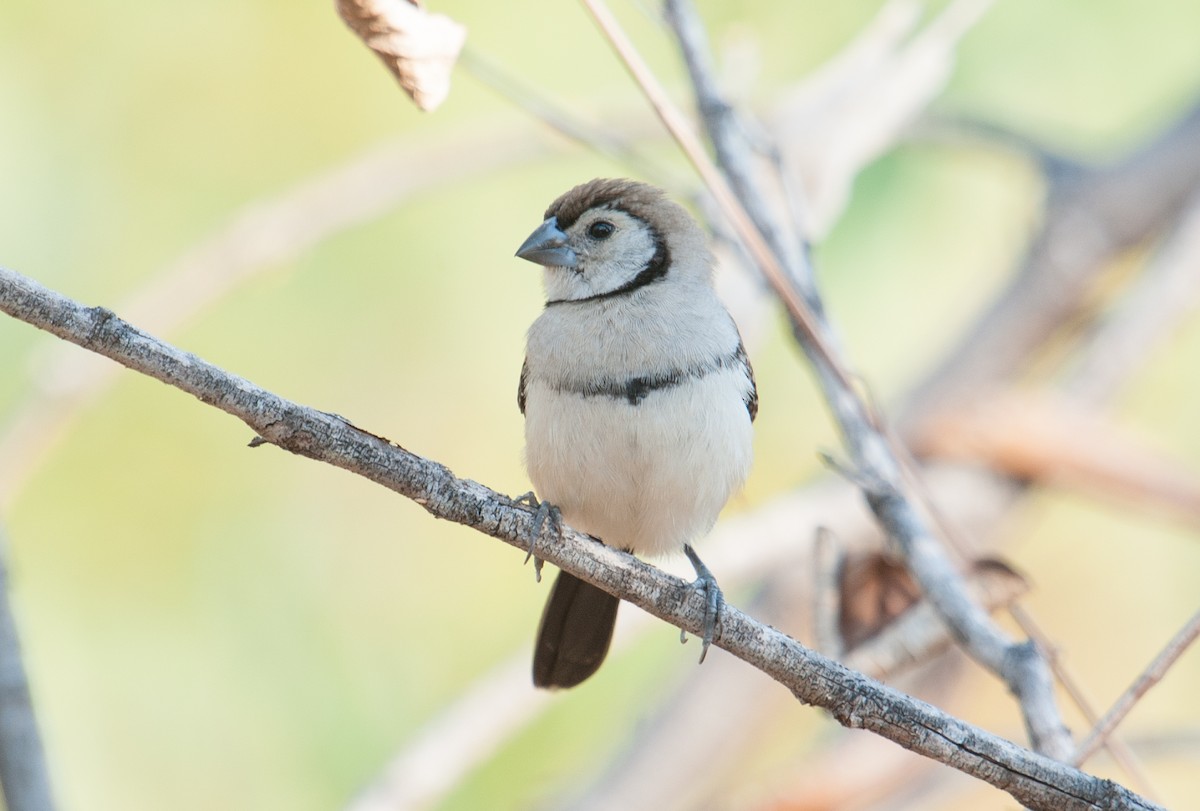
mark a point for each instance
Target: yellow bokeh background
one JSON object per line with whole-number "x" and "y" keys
{"x": 211, "y": 626}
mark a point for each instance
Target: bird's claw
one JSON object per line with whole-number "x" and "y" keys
{"x": 545, "y": 512}
{"x": 713, "y": 597}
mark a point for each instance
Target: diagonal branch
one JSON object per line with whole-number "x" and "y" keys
{"x": 1153, "y": 674}
{"x": 878, "y": 466}
{"x": 853, "y": 699}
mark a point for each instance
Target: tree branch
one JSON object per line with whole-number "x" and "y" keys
{"x": 878, "y": 465}
{"x": 854, "y": 700}
{"x": 759, "y": 546}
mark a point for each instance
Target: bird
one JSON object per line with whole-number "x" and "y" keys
{"x": 638, "y": 399}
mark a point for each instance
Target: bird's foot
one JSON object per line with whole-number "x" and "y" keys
{"x": 714, "y": 600}
{"x": 545, "y": 512}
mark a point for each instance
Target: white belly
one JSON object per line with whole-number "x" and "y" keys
{"x": 648, "y": 477}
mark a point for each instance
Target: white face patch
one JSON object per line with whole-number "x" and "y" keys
{"x": 613, "y": 248}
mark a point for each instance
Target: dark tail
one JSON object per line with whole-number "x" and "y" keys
{"x": 575, "y": 632}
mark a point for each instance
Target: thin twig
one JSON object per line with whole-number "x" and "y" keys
{"x": 854, "y": 700}
{"x": 1122, "y": 753}
{"x": 1150, "y": 677}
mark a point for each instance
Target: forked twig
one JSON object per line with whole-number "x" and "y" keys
{"x": 1151, "y": 676}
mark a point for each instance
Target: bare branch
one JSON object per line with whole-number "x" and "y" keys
{"x": 853, "y": 699}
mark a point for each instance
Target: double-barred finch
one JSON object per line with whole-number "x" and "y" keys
{"x": 637, "y": 394}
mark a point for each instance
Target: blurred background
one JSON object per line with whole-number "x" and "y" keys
{"x": 210, "y": 626}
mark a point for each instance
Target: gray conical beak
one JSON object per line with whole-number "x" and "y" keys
{"x": 548, "y": 246}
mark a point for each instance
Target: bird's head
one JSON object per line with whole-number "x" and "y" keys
{"x": 607, "y": 238}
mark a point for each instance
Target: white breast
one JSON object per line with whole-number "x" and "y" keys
{"x": 648, "y": 477}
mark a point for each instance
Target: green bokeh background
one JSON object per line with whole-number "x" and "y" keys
{"x": 209, "y": 626}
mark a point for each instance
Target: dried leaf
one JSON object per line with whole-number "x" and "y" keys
{"x": 418, "y": 47}
{"x": 875, "y": 589}
{"x": 996, "y": 583}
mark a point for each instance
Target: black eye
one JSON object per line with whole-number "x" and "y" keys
{"x": 601, "y": 229}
